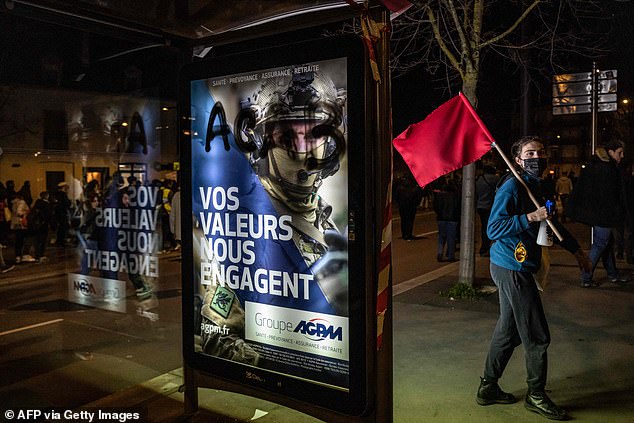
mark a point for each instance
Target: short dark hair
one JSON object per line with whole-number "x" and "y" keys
{"x": 614, "y": 144}
{"x": 516, "y": 148}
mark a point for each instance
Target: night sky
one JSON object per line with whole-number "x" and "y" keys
{"x": 417, "y": 93}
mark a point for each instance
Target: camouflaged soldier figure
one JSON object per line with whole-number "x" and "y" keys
{"x": 222, "y": 327}
{"x": 292, "y": 133}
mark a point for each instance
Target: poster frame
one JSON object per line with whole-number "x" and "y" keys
{"x": 355, "y": 400}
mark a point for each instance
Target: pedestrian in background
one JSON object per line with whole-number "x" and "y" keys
{"x": 10, "y": 191}
{"x": 19, "y": 224}
{"x": 629, "y": 200}
{"x": 447, "y": 208}
{"x": 90, "y": 191}
{"x": 598, "y": 200}
{"x": 25, "y": 191}
{"x": 515, "y": 258}
{"x": 4, "y": 267}
{"x": 88, "y": 230}
{"x": 5, "y": 217}
{"x": 485, "y": 192}
{"x": 38, "y": 222}
{"x": 563, "y": 186}
{"x": 166, "y": 192}
{"x": 61, "y": 211}
{"x": 408, "y": 196}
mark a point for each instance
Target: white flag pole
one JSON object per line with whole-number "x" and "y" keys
{"x": 530, "y": 194}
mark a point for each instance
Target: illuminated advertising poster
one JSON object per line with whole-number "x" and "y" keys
{"x": 269, "y": 194}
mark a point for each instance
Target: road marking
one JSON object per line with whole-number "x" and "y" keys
{"x": 423, "y": 279}
{"x": 427, "y": 233}
{"x": 36, "y": 325}
{"x": 435, "y": 274}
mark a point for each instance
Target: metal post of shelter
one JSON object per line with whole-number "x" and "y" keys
{"x": 595, "y": 106}
{"x": 595, "y": 112}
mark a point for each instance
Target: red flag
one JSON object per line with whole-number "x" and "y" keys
{"x": 396, "y": 6}
{"x": 451, "y": 137}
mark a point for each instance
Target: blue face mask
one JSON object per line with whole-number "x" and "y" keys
{"x": 535, "y": 167}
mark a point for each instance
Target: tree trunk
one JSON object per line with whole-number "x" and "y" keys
{"x": 466, "y": 273}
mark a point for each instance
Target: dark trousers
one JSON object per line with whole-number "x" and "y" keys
{"x": 41, "y": 236}
{"x": 4, "y": 233}
{"x": 407, "y": 213}
{"x": 521, "y": 321}
{"x": 62, "y": 232}
{"x": 447, "y": 234}
{"x": 484, "y": 222}
{"x": 167, "y": 236}
{"x": 619, "y": 241}
{"x": 602, "y": 249}
{"x": 20, "y": 236}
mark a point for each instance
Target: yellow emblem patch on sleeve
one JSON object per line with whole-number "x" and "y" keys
{"x": 520, "y": 252}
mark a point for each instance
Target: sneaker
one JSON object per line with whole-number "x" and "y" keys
{"x": 42, "y": 259}
{"x": 589, "y": 284}
{"x": 144, "y": 293}
{"x": 491, "y": 393}
{"x": 619, "y": 279}
{"x": 18, "y": 260}
{"x": 6, "y": 268}
{"x": 27, "y": 258}
{"x": 538, "y": 402}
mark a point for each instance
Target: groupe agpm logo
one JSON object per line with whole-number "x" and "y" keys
{"x": 88, "y": 288}
{"x": 84, "y": 287}
{"x": 318, "y": 329}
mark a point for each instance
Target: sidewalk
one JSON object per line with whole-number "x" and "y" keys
{"x": 439, "y": 349}
{"x": 58, "y": 262}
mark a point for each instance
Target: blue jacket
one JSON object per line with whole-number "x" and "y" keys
{"x": 515, "y": 246}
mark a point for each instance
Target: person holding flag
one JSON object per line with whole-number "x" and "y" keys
{"x": 515, "y": 259}
{"x": 452, "y": 137}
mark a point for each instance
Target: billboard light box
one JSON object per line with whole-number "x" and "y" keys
{"x": 274, "y": 178}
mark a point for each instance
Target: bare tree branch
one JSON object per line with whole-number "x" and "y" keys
{"x": 465, "y": 47}
{"x": 439, "y": 39}
{"x": 460, "y": 42}
{"x": 512, "y": 27}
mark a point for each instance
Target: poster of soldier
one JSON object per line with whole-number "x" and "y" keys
{"x": 269, "y": 199}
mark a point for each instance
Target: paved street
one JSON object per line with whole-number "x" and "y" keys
{"x": 439, "y": 347}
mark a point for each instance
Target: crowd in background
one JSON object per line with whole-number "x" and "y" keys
{"x": 443, "y": 196}
{"x": 53, "y": 220}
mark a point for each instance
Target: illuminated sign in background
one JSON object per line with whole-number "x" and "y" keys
{"x": 270, "y": 212}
